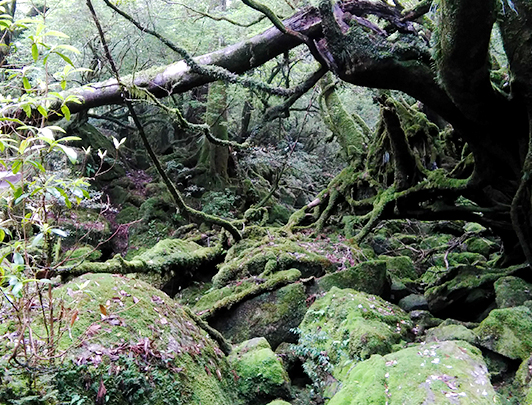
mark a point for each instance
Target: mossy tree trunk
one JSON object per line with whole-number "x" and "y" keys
{"x": 213, "y": 158}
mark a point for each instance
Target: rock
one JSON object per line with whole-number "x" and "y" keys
{"x": 135, "y": 341}
{"x": 511, "y": 292}
{"x": 345, "y": 326}
{"x": 451, "y": 332}
{"x": 264, "y": 257}
{"x": 369, "y": 277}
{"x": 441, "y": 373}
{"x": 271, "y": 315}
{"x": 413, "y": 302}
{"x": 401, "y": 267}
{"x": 423, "y": 320}
{"x": 508, "y": 332}
{"x": 261, "y": 376}
{"x": 464, "y": 292}
{"x": 279, "y": 402}
{"x": 481, "y": 246}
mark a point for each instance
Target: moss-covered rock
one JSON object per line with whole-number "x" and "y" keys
{"x": 279, "y": 402}
{"x": 134, "y": 341}
{"x": 345, "y": 326}
{"x": 508, "y": 332}
{"x": 463, "y": 287}
{"x": 455, "y": 259}
{"x": 444, "y": 373}
{"x": 368, "y": 276}
{"x": 413, "y": 302}
{"x": 451, "y": 332}
{"x": 269, "y": 255}
{"x": 271, "y": 315}
{"x": 401, "y": 267}
{"x": 261, "y": 376}
{"x": 512, "y": 291}
{"x": 127, "y": 215}
{"x": 481, "y": 246}
{"x": 226, "y": 297}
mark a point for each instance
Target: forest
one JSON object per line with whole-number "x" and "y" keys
{"x": 284, "y": 202}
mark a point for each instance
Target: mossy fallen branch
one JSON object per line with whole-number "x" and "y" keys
{"x": 172, "y": 256}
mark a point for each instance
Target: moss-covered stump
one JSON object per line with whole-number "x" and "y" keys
{"x": 168, "y": 265}
{"x": 463, "y": 292}
{"x": 444, "y": 373}
{"x": 512, "y": 291}
{"x": 369, "y": 277}
{"x": 271, "y": 315}
{"x": 345, "y": 326}
{"x": 127, "y": 338}
{"x": 508, "y": 332}
{"x": 269, "y": 255}
{"x": 261, "y": 376}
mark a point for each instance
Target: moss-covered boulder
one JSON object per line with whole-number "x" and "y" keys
{"x": 508, "y": 332}
{"x": 481, "y": 246}
{"x": 271, "y": 315}
{"x": 261, "y": 376}
{"x": 368, "y": 276}
{"x": 126, "y": 338}
{"x": 401, "y": 267}
{"x": 345, "y": 326}
{"x": 512, "y": 291}
{"x": 279, "y": 402}
{"x": 444, "y": 373}
{"x": 448, "y": 331}
{"x": 463, "y": 292}
{"x": 267, "y": 256}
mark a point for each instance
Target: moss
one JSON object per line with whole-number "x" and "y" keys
{"x": 264, "y": 257}
{"x": 508, "y": 332}
{"x": 451, "y": 332}
{"x": 271, "y": 315}
{"x": 261, "y": 376}
{"x": 226, "y": 297}
{"x": 138, "y": 342}
{"x": 435, "y": 373}
{"x": 127, "y": 215}
{"x": 369, "y": 277}
{"x": 512, "y": 291}
{"x": 481, "y": 246}
{"x": 401, "y": 267}
{"x": 349, "y": 326}
{"x": 167, "y": 259}
{"x": 279, "y": 402}
{"x": 82, "y": 253}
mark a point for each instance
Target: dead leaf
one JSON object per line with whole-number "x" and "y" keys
{"x": 135, "y": 300}
{"x": 163, "y": 321}
{"x": 74, "y": 317}
{"x": 103, "y": 310}
{"x": 93, "y": 329}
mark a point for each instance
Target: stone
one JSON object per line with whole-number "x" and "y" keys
{"x": 511, "y": 292}
{"x": 413, "y": 302}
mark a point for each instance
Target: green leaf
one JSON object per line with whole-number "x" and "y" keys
{"x": 35, "y": 52}
{"x": 66, "y": 112}
{"x": 68, "y": 48}
{"x": 71, "y": 153}
{"x": 17, "y": 258}
{"x": 37, "y": 165}
{"x": 66, "y": 59}
{"x": 60, "y": 232}
{"x": 17, "y": 165}
{"x": 37, "y": 240}
{"x": 2, "y": 235}
{"x": 43, "y": 111}
{"x": 27, "y": 109}
{"x": 26, "y": 83}
{"x": 56, "y": 34}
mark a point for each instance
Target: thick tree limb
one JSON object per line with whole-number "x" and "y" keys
{"x": 462, "y": 55}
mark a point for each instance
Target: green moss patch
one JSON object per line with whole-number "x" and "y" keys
{"x": 261, "y": 376}
{"x": 441, "y": 373}
{"x": 512, "y": 291}
{"x": 134, "y": 340}
{"x": 508, "y": 332}
{"x": 346, "y": 326}
{"x": 369, "y": 277}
